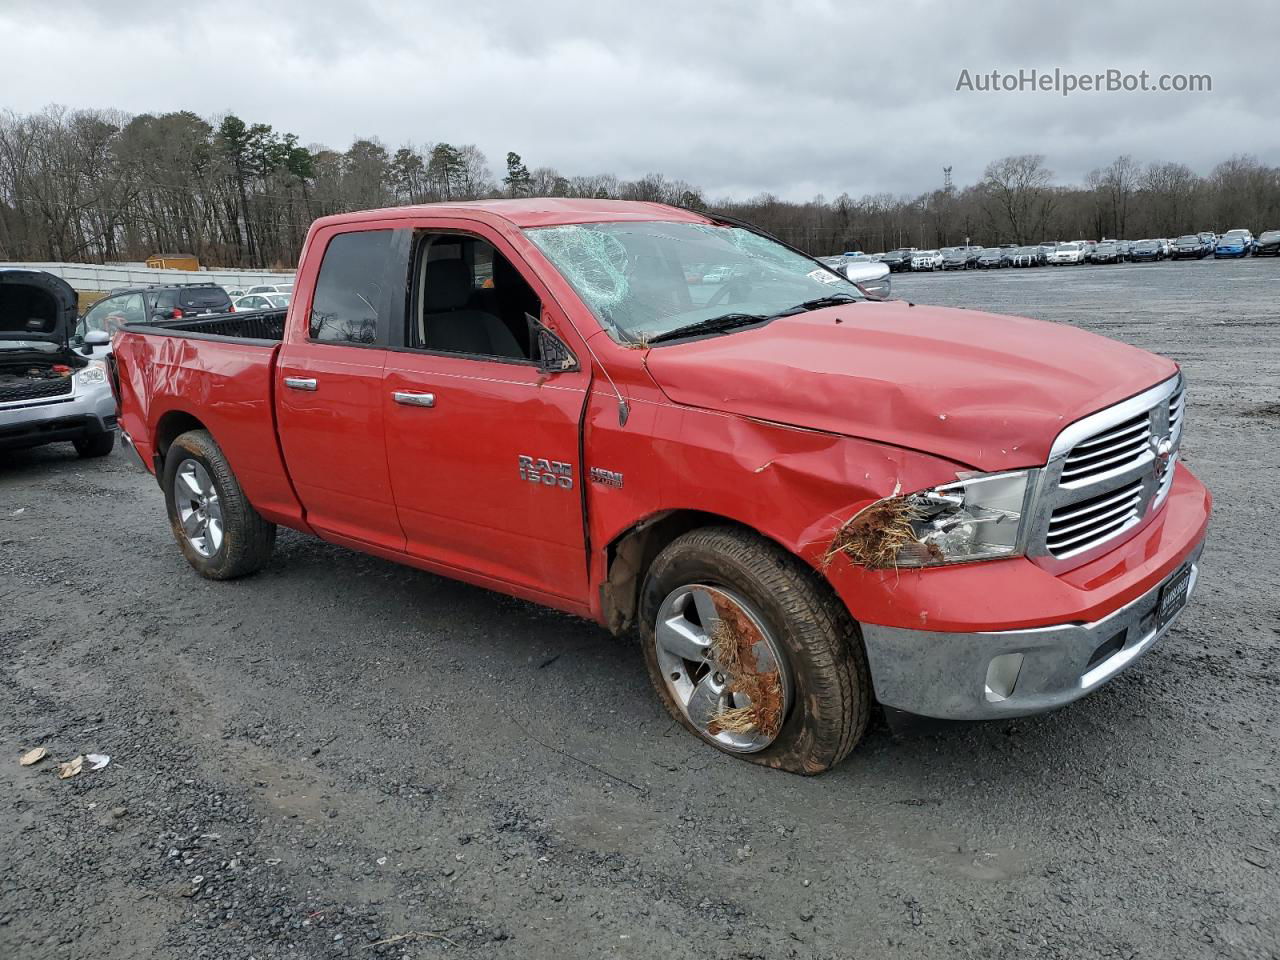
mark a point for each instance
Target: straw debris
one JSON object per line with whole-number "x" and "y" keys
{"x": 733, "y": 646}
{"x": 873, "y": 536}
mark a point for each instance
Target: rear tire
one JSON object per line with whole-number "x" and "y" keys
{"x": 216, "y": 527}
{"x": 825, "y": 666}
{"x": 97, "y": 445}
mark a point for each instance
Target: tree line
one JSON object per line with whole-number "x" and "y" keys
{"x": 100, "y": 185}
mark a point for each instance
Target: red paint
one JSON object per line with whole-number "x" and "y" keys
{"x": 786, "y": 429}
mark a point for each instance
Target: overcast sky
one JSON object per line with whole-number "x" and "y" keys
{"x": 793, "y": 98}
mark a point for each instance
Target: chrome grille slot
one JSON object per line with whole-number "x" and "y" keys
{"x": 1085, "y": 522}
{"x": 1117, "y": 448}
{"x": 1177, "y": 407}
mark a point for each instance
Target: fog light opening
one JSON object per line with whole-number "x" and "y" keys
{"x": 1002, "y": 676}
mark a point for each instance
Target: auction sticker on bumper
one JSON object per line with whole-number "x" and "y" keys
{"x": 1173, "y": 595}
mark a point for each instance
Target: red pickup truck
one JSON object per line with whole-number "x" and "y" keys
{"x": 808, "y": 501}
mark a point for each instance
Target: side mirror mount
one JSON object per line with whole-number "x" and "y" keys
{"x": 551, "y": 354}
{"x": 875, "y": 289}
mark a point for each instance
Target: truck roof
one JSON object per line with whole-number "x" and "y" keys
{"x": 533, "y": 212}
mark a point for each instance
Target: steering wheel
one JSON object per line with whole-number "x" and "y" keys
{"x": 736, "y": 288}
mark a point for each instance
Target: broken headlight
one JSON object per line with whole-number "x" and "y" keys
{"x": 977, "y": 518}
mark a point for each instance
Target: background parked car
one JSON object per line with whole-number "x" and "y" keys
{"x": 1028, "y": 257}
{"x": 271, "y": 288}
{"x": 1125, "y": 249}
{"x": 898, "y": 261}
{"x": 926, "y": 260}
{"x": 1189, "y": 247}
{"x": 992, "y": 258}
{"x": 1234, "y": 243}
{"x": 1146, "y": 250}
{"x": 1108, "y": 251}
{"x": 955, "y": 258}
{"x": 1267, "y": 244}
{"x": 50, "y": 390}
{"x": 254, "y": 301}
{"x": 1209, "y": 239}
{"x": 1067, "y": 253}
{"x": 149, "y": 304}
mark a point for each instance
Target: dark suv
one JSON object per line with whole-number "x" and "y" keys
{"x": 163, "y": 301}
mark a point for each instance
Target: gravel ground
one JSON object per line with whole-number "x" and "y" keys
{"x": 344, "y": 758}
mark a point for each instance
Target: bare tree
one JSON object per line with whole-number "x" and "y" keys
{"x": 1018, "y": 188}
{"x": 100, "y": 185}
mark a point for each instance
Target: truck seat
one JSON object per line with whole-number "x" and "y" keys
{"x": 450, "y": 325}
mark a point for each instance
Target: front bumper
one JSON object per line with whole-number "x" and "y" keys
{"x": 86, "y": 412}
{"x": 939, "y": 630}
{"x": 945, "y": 675}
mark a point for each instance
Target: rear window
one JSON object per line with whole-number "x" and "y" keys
{"x": 203, "y": 298}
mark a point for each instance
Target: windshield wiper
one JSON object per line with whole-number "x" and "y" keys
{"x": 831, "y": 300}
{"x": 726, "y": 321}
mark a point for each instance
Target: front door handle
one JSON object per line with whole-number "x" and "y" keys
{"x": 414, "y": 399}
{"x": 300, "y": 383}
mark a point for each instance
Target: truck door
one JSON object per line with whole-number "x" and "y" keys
{"x": 482, "y": 445}
{"x": 329, "y": 389}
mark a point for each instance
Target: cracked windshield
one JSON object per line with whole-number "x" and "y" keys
{"x": 655, "y": 280}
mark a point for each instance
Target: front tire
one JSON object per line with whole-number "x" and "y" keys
{"x": 795, "y": 649}
{"x": 216, "y": 527}
{"x": 97, "y": 445}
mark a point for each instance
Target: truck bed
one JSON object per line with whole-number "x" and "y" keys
{"x": 266, "y": 326}
{"x": 216, "y": 373}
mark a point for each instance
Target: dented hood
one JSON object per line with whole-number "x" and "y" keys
{"x": 987, "y": 391}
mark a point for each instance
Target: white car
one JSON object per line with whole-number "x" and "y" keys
{"x": 926, "y": 260}
{"x": 1067, "y": 253}
{"x": 271, "y": 288}
{"x": 254, "y": 301}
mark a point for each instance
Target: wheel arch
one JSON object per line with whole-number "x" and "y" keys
{"x": 629, "y": 555}
{"x": 169, "y": 427}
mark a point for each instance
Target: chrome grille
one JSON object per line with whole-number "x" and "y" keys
{"x": 1088, "y": 521}
{"x": 1107, "y": 475}
{"x": 1110, "y": 450}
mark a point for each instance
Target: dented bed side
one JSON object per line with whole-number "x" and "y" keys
{"x": 170, "y": 382}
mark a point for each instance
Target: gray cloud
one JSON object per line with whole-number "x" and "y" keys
{"x": 791, "y": 98}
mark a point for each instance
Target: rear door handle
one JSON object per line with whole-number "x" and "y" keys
{"x": 414, "y": 399}
{"x": 300, "y": 383}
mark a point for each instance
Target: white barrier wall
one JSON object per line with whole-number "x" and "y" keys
{"x": 89, "y": 277}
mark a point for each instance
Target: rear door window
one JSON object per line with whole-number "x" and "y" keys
{"x": 350, "y": 301}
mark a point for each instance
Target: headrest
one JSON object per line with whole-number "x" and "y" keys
{"x": 448, "y": 285}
